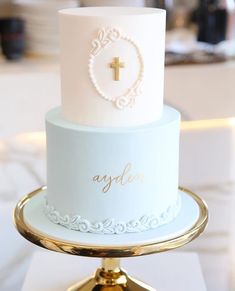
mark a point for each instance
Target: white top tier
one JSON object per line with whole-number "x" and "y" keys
{"x": 112, "y": 65}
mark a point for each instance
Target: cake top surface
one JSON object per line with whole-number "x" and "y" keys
{"x": 110, "y": 11}
{"x": 170, "y": 116}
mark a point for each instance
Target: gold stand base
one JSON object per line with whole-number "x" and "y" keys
{"x": 91, "y": 285}
{"x": 110, "y": 278}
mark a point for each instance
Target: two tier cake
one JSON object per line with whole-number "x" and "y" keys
{"x": 112, "y": 147}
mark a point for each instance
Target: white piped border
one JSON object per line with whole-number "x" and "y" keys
{"x": 105, "y": 37}
{"x": 110, "y": 225}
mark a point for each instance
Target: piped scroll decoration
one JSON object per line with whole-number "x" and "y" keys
{"x": 107, "y": 36}
{"x": 111, "y": 225}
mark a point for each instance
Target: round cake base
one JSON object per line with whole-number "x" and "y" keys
{"x": 36, "y": 227}
{"x": 31, "y": 222}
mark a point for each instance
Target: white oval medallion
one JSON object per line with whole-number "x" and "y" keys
{"x": 116, "y": 65}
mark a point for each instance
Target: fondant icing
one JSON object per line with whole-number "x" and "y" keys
{"x": 106, "y": 174}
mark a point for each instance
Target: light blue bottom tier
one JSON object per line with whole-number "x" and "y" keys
{"x": 112, "y": 180}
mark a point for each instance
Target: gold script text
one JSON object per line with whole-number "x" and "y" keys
{"x": 123, "y": 179}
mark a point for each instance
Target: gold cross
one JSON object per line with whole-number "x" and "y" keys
{"x": 116, "y": 65}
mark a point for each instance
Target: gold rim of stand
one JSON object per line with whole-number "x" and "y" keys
{"x": 79, "y": 249}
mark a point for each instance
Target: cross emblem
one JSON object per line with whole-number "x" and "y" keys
{"x": 117, "y": 65}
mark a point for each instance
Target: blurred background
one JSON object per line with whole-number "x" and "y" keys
{"x": 199, "y": 82}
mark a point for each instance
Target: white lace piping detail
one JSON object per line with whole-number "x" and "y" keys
{"x": 105, "y": 37}
{"x": 110, "y": 225}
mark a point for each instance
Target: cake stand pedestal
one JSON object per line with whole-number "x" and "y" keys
{"x": 32, "y": 224}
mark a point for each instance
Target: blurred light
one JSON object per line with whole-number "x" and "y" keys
{"x": 210, "y": 123}
{"x": 32, "y": 137}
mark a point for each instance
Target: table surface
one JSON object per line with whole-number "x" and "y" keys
{"x": 169, "y": 271}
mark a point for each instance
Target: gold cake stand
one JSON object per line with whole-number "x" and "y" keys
{"x": 110, "y": 276}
